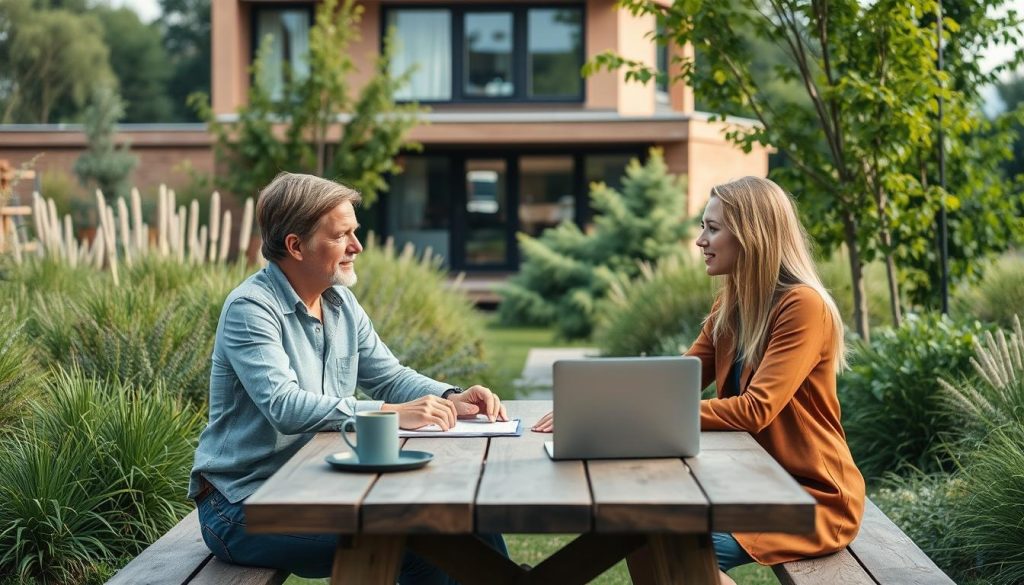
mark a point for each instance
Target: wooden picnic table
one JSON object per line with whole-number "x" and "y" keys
{"x": 509, "y": 485}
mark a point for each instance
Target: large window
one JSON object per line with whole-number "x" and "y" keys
{"x": 287, "y": 31}
{"x": 489, "y": 54}
{"x": 555, "y": 43}
{"x": 425, "y": 47}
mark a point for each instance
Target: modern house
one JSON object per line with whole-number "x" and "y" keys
{"x": 515, "y": 135}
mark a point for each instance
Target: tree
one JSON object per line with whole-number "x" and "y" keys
{"x": 862, "y": 142}
{"x": 186, "y": 36}
{"x": 372, "y": 127}
{"x": 566, "y": 271}
{"x": 50, "y": 57}
{"x": 104, "y": 164}
{"x": 140, "y": 63}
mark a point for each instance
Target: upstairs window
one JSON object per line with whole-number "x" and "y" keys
{"x": 288, "y": 59}
{"x": 424, "y": 45}
{"x": 478, "y": 54}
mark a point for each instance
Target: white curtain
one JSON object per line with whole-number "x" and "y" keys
{"x": 425, "y": 40}
{"x": 289, "y": 30}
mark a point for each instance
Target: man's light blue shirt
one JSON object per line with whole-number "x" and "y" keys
{"x": 280, "y": 375}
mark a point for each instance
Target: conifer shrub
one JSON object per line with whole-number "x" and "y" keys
{"x": 566, "y": 272}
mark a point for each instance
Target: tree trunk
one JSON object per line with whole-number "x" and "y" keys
{"x": 860, "y": 301}
{"x": 894, "y": 285}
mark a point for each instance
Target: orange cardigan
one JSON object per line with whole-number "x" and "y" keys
{"x": 789, "y": 405}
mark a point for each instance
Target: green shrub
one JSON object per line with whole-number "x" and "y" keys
{"x": 891, "y": 400}
{"x": 990, "y": 519}
{"x": 431, "y": 328}
{"x": 18, "y": 372}
{"x": 999, "y": 295}
{"x": 157, "y": 327}
{"x": 567, "y": 272}
{"x": 133, "y": 334}
{"x": 925, "y": 507}
{"x": 99, "y": 472}
{"x": 994, "y": 397}
{"x": 658, "y": 313}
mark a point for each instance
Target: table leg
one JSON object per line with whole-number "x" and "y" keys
{"x": 675, "y": 559}
{"x": 367, "y": 558}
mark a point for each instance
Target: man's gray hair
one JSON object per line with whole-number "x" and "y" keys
{"x": 294, "y": 204}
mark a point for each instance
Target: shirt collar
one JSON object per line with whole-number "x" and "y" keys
{"x": 287, "y": 296}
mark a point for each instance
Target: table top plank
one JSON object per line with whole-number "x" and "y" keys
{"x": 436, "y": 498}
{"x": 646, "y": 495}
{"x": 722, "y": 440}
{"x": 307, "y": 496}
{"x": 750, "y": 492}
{"x": 522, "y": 490}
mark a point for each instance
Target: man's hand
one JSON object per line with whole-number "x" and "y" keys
{"x": 426, "y": 410}
{"x": 546, "y": 424}
{"x": 479, "y": 400}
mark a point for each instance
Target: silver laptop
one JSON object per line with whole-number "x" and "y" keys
{"x": 617, "y": 408}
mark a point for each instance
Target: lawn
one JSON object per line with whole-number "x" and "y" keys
{"x": 506, "y": 348}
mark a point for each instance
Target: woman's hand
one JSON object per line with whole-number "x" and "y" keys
{"x": 546, "y": 424}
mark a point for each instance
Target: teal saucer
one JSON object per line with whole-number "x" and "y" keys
{"x": 347, "y": 461}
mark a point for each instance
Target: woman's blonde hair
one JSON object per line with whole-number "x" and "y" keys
{"x": 774, "y": 257}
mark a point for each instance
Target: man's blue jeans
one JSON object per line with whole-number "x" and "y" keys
{"x": 306, "y": 555}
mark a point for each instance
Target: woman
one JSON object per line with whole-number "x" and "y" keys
{"x": 773, "y": 344}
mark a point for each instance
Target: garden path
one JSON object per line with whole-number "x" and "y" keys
{"x": 536, "y": 379}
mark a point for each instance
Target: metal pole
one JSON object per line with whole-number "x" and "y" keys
{"x": 943, "y": 238}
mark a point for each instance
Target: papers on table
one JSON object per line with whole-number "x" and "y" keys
{"x": 478, "y": 427}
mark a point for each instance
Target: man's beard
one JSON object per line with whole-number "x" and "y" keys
{"x": 345, "y": 278}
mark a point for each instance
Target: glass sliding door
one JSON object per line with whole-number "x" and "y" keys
{"x": 546, "y": 192}
{"x": 487, "y": 231}
{"x": 419, "y": 204}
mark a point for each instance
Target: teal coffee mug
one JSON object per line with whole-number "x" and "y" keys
{"x": 376, "y": 436}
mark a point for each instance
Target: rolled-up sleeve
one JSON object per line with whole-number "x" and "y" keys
{"x": 252, "y": 343}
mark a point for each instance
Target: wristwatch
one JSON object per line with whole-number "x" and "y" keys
{"x": 450, "y": 391}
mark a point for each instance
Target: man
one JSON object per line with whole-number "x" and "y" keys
{"x": 292, "y": 344}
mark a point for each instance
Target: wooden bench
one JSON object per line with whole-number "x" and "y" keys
{"x": 180, "y": 557}
{"x": 880, "y": 555}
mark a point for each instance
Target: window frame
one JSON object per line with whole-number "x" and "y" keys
{"x": 520, "y": 50}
